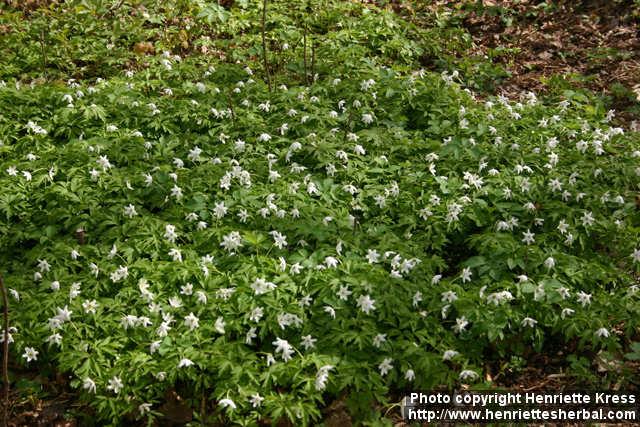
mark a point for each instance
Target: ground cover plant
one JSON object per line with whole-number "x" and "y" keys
{"x": 344, "y": 226}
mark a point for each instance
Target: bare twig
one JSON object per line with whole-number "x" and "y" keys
{"x": 304, "y": 52}
{"x": 43, "y": 48}
{"x": 313, "y": 60}
{"x": 5, "y": 354}
{"x": 264, "y": 43}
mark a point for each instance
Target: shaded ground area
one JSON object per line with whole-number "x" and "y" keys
{"x": 53, "y": 403}
{"x": 550, "y": 46}
{"x": 544, "y": 47}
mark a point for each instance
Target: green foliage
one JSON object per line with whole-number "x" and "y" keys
{"x": 173, "y": 225}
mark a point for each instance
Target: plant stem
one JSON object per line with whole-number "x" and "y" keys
{"x": 43, "y": 53}
{"x": 264, "y": 44}
{"x": 5, "y": 354}
{"x": 313, "y": 60}
{"x": 304, "y": 52}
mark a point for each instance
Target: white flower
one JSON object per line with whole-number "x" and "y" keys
{"x": 528, "y": 321}
{"x": 219, "y": 210}
{"x": 194, "y": 154}
{"x": 251, "y": 334}
{"x": 372, "y": 256}
{"x": 170, "y": 233}
{"x": 115, "y": 385}
{"x": 280, "y": 240}
{"x": 187, "y": 289}
{"x": 567, "y": 312}
{"x": 331, "y": 262}
{"x": 330, "y": 310}
{"x": 227, "y": 403}
{"x": 283, "y": 346}
{"x": 322, "y": 376}
{"x": 89, "y": 385}
{"x": 550, "y": 263}
{"x": 528, "y": 237}
{"x": 191, "y": 321}
{"x": 468, "y": 375}
{"x": 584, "y": 298}
{"x": 264, "y": 137}
{"x": 602, "y": 333}
{"x": 154, "y": 346}
{"x": 563, "y": 226}
{"x": 130, "y": 211}
{"x": 385, "y": 366}
{"x": 466, "y": 274}
{"x": 103, "y": 161}
{"x": 569, "y": 239}
{"x": 30, "y": 354}
{"x": 175, "y": 191}
{"x": 344, "y": 292}
{"x": 587, "y": 219}
{"x": 261, "y": 286}
{"x": 175, "y": 254}
{"x": 498, "y": 298}
{"x": 295, "y": 268}
{"x": 163, "y": 329}
{"x": 256, "y": 400}
{"x": 449, "y": 354}
{"x": 43, "y": 266}
{"x": 90, "y": 307}
{"x": 219, "y": 325}
{"x": 175, "y": 302}
{"x": 64, "y": 314}
{"x": 365, "y": 303}
{"x": 231, "y": 241}
{"x": 409, "y": 375}
{"x": 461, "y": 324}
{"x": 308, "y": 342}
{"x": 636, "y": 255}
{"x": 256, "y": 314}
{"x": 12, "y": 330}
{"x": 202, "y": 297}
{"x": 449, "y": 296}
{"x": 144, "y": 408}
{"x": 564, "y": 292}
{"x": 379, "y": 339}
{"x": 367, "y": 118}
{"x": 185, "y": 363}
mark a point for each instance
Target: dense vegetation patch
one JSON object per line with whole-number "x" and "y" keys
{"x": 365, "y": 229}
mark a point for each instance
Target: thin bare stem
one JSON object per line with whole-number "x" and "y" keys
{"x": 264, "y": 44}
{"x": 304, "y": 52}
{"x": 313, "y": 60}
{"x": 43, "y": 53}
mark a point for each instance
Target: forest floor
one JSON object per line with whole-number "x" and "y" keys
{"x": 543, "y": 47}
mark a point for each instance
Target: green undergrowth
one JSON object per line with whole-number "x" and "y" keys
{"x": 362, "y": 229}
